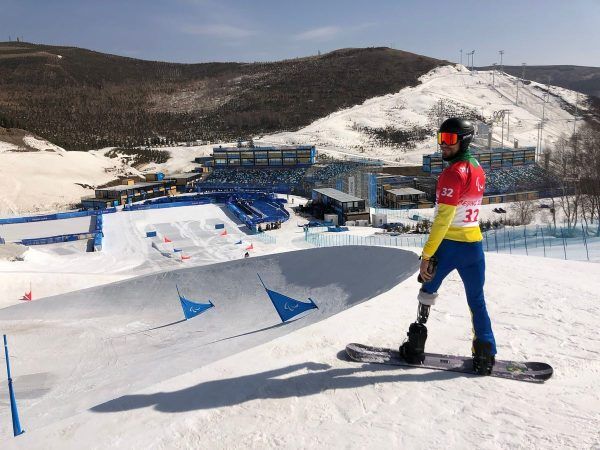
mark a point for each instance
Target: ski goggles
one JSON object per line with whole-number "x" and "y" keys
{"x": 447, "y": 138}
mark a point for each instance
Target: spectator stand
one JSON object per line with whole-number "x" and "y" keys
{"x": 518, "y": 179}
{"x": 281, "y": 180}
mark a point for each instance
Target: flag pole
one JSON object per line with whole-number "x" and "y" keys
{"x": 13, "y": 402}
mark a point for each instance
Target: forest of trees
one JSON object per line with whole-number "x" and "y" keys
{"x": 576, "y": 162}
{"x": 85, "y": 100}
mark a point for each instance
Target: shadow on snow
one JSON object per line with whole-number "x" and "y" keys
{"x": 267, "y": 385}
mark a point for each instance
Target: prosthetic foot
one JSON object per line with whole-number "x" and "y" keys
{"x": 413, "y": 350}
{"x": 483, "y": 360}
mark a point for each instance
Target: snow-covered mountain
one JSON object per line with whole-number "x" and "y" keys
{"x": 442, "y": 92}
{"x": 52, "y": 178}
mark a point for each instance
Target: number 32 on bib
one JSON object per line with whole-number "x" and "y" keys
{"x": 471, "y": 215}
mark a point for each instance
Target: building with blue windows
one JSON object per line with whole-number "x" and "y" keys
{"x": 490, "y": 159}
{"x": 265, "y": 157}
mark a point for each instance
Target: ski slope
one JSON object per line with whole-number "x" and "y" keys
{"x": 108, "y": 336}
{"x": 126, "y": 251}
{"x": 295, "y": 392}
{"x": 84, "y": 378}
{"x": 455, "y": 89}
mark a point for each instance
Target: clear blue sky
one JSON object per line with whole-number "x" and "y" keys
{"x": 532, "y": 31}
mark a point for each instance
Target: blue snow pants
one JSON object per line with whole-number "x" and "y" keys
{"x": 469, "y": 260}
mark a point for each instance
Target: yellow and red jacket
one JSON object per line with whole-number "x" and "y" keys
{"x": 458, "y": 198}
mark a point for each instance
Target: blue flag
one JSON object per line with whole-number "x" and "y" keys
{"x": 192, "y": 309}
{"x": 287, "y": 307}
{"x": 239, "y": 242}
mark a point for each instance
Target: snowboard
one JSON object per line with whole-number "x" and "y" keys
{"x": 536, "y": 372}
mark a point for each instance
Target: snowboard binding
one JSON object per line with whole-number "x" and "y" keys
{"x": 413, "y": 350}
{"x": 483, "y": 360}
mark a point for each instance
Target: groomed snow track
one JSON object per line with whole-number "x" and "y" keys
{"x": 91, "y": 346}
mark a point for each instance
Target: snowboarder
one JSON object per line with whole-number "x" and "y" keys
{"x": 455, "y": 242}
{"x": 246, "y": 255}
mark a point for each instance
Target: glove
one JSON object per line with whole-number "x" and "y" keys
{"x": 430, "y": 269}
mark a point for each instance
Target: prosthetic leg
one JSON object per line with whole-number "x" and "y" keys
{"x": 413, "y": 350}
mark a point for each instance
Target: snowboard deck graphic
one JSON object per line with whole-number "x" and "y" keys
{"x": 536, "y": 372}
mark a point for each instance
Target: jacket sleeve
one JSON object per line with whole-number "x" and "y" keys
{"x": 449, "y": 190}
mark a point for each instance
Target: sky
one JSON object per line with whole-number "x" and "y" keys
{"x": 535, "y": 32}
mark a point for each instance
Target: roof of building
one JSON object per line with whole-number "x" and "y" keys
{"x": 246, "y": 149}
{"x": 338, "y": 195}
{"x": 405, "y": 191}
{"x": 124, "y": 187}
{"x": 183, "y": 175}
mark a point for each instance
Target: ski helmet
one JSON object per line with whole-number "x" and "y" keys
{"x": 462, "y": 127}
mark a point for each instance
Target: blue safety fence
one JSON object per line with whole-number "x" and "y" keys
{"x": 98, "y": 242}
{"x": 56, "y": 216}
{"x": 59, "y": 238}
{"x": 99, "y": 233}
{"x": 98, "y": 225}
{"x": 96, "y": 235}
{"x": 268, "y": 208}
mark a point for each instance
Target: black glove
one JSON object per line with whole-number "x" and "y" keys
{"x": 430, "y": 269}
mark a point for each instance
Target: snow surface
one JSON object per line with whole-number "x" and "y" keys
{"x": 47, "y": 181}
{"x": 455, "y": 86}
{"x": 7, "y": 147}
{"x": 135, "y": 326}
{"x": 31, "y": 230}
{"x": 294, "y": 391}
{"x": 41, "y": 144}
{"x": 37, "y": 182}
